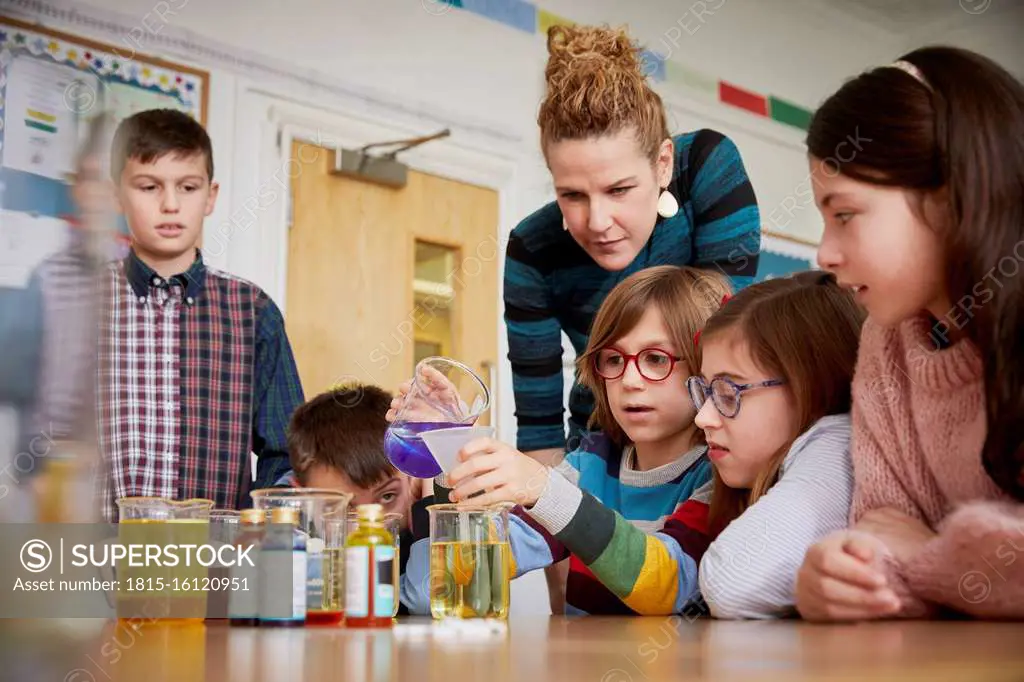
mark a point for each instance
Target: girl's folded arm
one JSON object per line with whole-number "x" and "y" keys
{"x": 749, "y": 571}
{"x": 976, "y": 563}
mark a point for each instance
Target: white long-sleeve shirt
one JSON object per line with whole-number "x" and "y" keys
{"x": 749, "y": 571}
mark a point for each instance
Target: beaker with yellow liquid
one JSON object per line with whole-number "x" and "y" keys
{"x": 161, "y": 573}
{"x": 470, "y": 561}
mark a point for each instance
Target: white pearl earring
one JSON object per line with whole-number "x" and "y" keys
{"x": 565, "y": 225}
{"x": 667, "y": 204}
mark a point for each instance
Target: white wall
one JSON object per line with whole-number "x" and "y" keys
{"x": 995, "y": 33}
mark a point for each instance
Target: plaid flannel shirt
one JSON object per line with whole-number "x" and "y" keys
{"x": 196, "y": 372}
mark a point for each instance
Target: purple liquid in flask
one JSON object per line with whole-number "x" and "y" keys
{"x": 407, "y": 451}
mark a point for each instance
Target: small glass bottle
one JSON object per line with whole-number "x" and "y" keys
{"x": 370, "y": 563}
{"x": 282, "y": 581}
{"x": 243, "y": 598}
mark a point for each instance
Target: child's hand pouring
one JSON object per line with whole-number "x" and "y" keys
{"x": 436, "y": 398}
{"x": 499, "y": 472}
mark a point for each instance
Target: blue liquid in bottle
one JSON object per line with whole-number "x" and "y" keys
{"x": 407, "y": 451}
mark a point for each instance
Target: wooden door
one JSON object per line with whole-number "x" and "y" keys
{"x": 379, "y": 276}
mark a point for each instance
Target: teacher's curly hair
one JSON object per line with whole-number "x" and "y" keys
{"x": 596, "y": 86}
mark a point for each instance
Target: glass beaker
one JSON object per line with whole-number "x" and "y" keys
{"x": 338, "y": 527}
{"x": 470, "y": 561}
{"x": 158, "y": 587}
{"x": 315, "y": 505}
{"x": 444, "y": 394}
{"x": 224, "y": 525}
{"x": 335, "y": 533}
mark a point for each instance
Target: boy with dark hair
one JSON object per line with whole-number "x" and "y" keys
{"x": 196, "y": 371}
{"x": 336, "y": 441}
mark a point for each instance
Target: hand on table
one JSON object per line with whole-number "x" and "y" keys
{"x": 499, "y": 472}
{"x": 840, "y": 580}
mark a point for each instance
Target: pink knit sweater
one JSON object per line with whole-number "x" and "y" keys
{"x": 919, "y": 428}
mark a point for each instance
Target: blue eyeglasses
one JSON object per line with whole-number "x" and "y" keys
{"x": 724, "y": 393}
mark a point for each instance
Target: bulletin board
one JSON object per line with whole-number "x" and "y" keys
{"x": 51, "y": 85}
{"x": 783, "y": 254}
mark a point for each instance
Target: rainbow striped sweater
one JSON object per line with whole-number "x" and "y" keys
{"x": 589, "y": 512}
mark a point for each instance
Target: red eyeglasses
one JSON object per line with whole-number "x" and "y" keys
{"x": 654, "y": 364}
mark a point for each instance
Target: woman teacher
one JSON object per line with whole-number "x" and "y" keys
{"x": 629, "y": 197}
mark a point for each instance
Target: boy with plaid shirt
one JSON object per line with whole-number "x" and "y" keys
{"x": 196, "y": 370}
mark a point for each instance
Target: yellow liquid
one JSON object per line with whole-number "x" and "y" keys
{"x": 334, "y": 579}
{"x": 55, "y": 481}
{"x": 181, "y": 596}
{"x": 155, "y": 652}
{"x": 369, "y": 534}
{"x": 470, "y": 579}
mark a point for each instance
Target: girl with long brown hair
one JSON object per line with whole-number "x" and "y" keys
{"x": 773, "y": 400}
{"x": 924, "y": 220}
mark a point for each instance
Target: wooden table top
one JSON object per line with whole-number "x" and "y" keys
{"x": 536, "y": 649}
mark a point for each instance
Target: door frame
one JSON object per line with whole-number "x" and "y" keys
{"x": 278, "y": 121}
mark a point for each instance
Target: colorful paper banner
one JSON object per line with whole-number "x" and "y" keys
{"x": 789, "y": 113}
{"x": 691, "y": 79}
{"x": 653, "y": 65}
{"x": 546, "y": 20}
{"x": 530, "y": 18}
{"x": 514, "y": 13}
{"x": 744, "y": 99}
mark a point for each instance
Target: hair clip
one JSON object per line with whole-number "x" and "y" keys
{"x": 696, "y": 337}
{"x": 911, "y": 70}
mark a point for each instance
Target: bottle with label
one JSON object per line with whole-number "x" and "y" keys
{"x": 370, "y": 563}
{"x": 243, "y": 597}
{"x": 282, "y": 576}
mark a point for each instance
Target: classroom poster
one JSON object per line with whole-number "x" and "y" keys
{"x": 125, "y": 100}
{"x": 52, "y": 84}
{"x": 25, "y": 240}
{"x": 41, "y": 132}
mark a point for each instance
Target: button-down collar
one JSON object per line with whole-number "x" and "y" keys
{"x": 142, "y": 278}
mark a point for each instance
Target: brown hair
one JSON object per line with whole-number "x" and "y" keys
{"x": 595, "y": 87}
{"x": 151, "y": 135}
{"x": 342, "y": 429}
{"x": 686, "y": 297}
{"x": 959, "y": 135}
{"x": 803, "y": 329}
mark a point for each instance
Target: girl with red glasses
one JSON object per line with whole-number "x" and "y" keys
{"x": 622, "y": 505}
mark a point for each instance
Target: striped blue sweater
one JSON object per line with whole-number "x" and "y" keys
{"x": 552, "y": 285}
